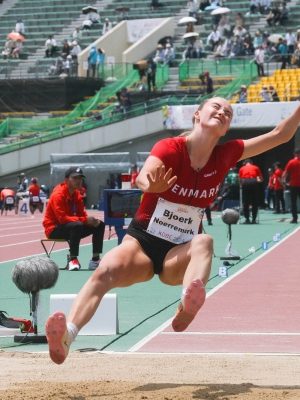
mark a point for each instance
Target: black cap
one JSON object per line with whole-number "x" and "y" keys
{"x": 74, "y": 171}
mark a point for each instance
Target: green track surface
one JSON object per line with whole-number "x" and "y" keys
{"x": 142, "y": 308}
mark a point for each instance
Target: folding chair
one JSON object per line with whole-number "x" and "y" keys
{"x": 53, "y": 241}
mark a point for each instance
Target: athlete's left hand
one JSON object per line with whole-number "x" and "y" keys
{"x": 160, "y": 180}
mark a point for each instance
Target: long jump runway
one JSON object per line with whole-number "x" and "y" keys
{"x": 254, "y": 311}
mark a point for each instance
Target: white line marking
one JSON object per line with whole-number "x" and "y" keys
{"x": 233, "y": 333}
{"x": 18, "y": 234}
{"x": 20, "y": 243}
{"x": 147, "y": 338}
{"x": 43, "y": 254}
{"x": 21, "y": 227}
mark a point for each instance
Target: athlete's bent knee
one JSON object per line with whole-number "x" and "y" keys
{"x": 202, "y": 242}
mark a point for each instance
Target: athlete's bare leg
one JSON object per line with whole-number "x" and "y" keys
{"x": 190, "y": 265}
{"x": 123, "y": 266}
{"x": 189, "y": 261}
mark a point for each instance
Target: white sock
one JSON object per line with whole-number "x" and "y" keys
{"x": 72, "y": 331}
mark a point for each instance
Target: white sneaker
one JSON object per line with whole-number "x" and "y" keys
{"x": 94, "y": 264}
{"x": 73, "y": 265}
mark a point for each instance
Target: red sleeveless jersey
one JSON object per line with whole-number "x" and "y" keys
{"x": 195, "y": 188}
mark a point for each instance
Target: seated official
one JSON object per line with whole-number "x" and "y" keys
{"x": 66, "y": 218}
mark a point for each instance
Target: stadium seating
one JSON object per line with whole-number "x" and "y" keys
{"x": 286, "y": 82}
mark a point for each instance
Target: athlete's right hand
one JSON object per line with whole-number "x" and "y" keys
{"x": 159, "y": 181}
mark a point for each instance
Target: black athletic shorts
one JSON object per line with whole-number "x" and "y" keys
{"x": 155, "y": 248}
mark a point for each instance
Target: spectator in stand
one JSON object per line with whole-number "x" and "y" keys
{"x": 259, "y": 58}
{"x": 254, "y": 6}
{"x": 220, "y": 50}
{"x": 250, "y": 177}
{"x": 190, "y": 52}
{"x": 278, "y": 188}
{"x": 270, "y": 18}
{"x": 125, "y": 100}
{"x": 224, "y": 27}
{"x": 283, "y": 51}
{"x": 35, "y": 202}
{"x": 295, "y": 60}
{"x": 248, "y": 45}
{"x": 94, "y": 17}
{"x": 243, "y": 94}
{"x": 265, "y": 6}
{"x": 75, "y": 51}
{"x": 92, "y": 62}
{"x": 169, "y": 55}
{"x": 100, "y": 61}
{"x": 160, "y": 54}
{"x": 273, "y": 93}
{"x": 59, "y": 63}
{"x": 239, "y": 31}
{"x": 239, "y": 19}
{"x": 66, "y": 48}
{"x": 291, "y": 177}
{"x": 213, "y": 39}
{"x": 265, "y": 95}
{"x": 284, "y": 15}
{"x": 209, "y": 82}
{"x": 67, "y": 65}
{"x": 290, "y": 38}
{"x": 189, "y": 27}
{"x": 8, "y": 48}
{"x": 258, "y": 40}
{"x": 20, "y": 27}
{"x": 204, "y": 4}
{"x": 77, "y": 34}
{"x": 50, "y": 46}
{"x": 193, "y": 7}
{"x": 17, "y": 49}
{"x": 155, "y": 4}
{"x": 151, "y": 74}
{"x": 107, "y": 26}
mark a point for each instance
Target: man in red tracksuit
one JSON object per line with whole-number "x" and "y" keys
{"x": 291, "y": 175}
{"x": 250, "y": 176}
{"x": 278, "y": 188}
{"x": 66, "y": 218}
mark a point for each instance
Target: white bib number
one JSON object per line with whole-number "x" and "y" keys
{"x": 176, "y": 223}
{"x": 9, "y": 200}
{"x": 35, "y": 199}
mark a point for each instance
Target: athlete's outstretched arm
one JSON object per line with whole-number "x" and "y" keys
{"x": 153, "y": 177}
{"x": 282, "y": 133}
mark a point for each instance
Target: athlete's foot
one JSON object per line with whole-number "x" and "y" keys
{"x": 57, "y": 337}
{"x": 191, "y": 303}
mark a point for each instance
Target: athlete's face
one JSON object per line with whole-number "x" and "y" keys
{"x": 216, "y": 113}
